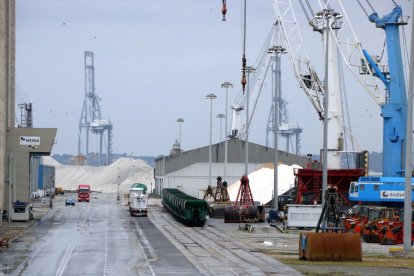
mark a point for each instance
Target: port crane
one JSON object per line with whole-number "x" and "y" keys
{"x": 90, "y": 121}
{"x": 394, "y": 107}
{"x": 307, "y": 77}
{"x": 393, "y": 187}
{"x": 257, "y": 83}
{"x": 394, "y": 113}
{"x": 326, "y": 97}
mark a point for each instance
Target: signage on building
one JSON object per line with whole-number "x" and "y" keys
{"x": 30, "y": 140}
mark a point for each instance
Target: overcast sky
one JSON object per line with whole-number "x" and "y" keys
{"x": 156, "y": 60}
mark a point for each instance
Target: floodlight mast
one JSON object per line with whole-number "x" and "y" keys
{"x": 210, "y": 97}
{"x": 226, "y": 85}
{"x": 276, "y": 51}
{"x": 180, "y": 121}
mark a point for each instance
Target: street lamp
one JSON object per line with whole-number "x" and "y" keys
{"x": 180, "y": 120}
{"x": 12, "y": 158}
{"x": 210, "y": 97}
{"x": 326, "y": 14}
{"x": 221, "y": 116}
{"x": 226, "y": 85}
{"x": 118, "y": 197}
{"x": 276, "y": 51}
{"x": 248, "y": 70}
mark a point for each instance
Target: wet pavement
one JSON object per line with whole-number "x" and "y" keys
{"x": 101, "y": 238}
{"x": 95, "y": 238}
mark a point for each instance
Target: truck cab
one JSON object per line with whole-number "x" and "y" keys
{"x": 84, "y": 191}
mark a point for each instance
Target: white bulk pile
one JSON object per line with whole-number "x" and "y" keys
{"x": 124, "y": 171}
{"x": 261, "y": 182}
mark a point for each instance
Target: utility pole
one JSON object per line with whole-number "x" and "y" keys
{"x": 277, "y": 51}
{"x": 408, "y": 208}
{"x": 210, "y": 97}
{"x": 221, "y": 116}
{"x": 330, "y": 124}
{"x": 226, "y": 85}
{"x": 180, "y": 120}
{"x": 248, "y": 70}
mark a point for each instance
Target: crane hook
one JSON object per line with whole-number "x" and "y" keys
{"x": 243, "y": 80}
{"x": 224, "y": 10}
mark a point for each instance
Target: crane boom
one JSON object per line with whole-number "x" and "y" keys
{"x": 352, "y": 55}
{"x": 256, "y": 82}
{"x": 304, "y": 72}
{"x": 322, "y": 22}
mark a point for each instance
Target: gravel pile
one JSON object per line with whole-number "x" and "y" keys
{"x": 124, "y": 171}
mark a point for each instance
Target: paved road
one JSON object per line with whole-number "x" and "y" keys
{"x": 95, "y": 238}
{"x": 101, "y": 238}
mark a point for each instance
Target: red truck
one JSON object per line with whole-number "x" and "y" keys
{"x": 84, "y": 191}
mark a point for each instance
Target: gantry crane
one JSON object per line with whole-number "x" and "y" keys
{"x": 91, "y": 118}
{"x": 255, "y": 89}
{"x": 285, "y": 129}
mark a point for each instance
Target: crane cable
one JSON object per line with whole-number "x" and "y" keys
{"x": 305, "y": 11}
{"x": 372, "y": 8}
{"x": 243, "y": 80}
{"x": 363, "y": 9}
{"x": 310, "y": 8}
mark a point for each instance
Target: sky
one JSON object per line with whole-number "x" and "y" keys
{"x": 155, "y": 62}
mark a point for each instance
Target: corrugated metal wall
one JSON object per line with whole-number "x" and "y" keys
{"x": 189, "y": 170}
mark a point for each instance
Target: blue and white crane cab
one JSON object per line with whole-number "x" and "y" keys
{"x": 379, "y": 189}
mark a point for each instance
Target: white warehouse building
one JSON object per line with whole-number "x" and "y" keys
{"x": 188, "y": 171}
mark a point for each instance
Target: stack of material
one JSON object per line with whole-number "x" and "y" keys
{"x": 124, "y": 171}
{"x": 261, "y": 182}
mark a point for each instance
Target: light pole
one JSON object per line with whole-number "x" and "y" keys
{"x": 277, "y": 51}
{"x": 210, "y": 97}
{"x": 12, "y": 158}
{"x": 226, "y": 85}
{"x": 221, "y": 116}
{"x": 180, "y": 120}
{"x": 50, "y": 186}
{"x": 408, "y": 207}
{"x": 326, "y": 14}
{"x": 118, "y": 197}
{"x": 248, "y": 70}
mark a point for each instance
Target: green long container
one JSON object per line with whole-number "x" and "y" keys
{"x": 190, "y": 210}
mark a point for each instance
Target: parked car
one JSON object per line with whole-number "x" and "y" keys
{"x": 70, "y": 201}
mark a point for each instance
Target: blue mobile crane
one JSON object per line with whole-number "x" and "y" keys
{"x": 394, "y": 113}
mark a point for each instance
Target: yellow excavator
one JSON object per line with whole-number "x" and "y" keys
{"x": 59, "y": 190}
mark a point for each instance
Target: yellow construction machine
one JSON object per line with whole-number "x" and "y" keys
{"x": 59, "y": 190}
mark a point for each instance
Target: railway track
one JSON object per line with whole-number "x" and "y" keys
{"x": 213, "y": 252}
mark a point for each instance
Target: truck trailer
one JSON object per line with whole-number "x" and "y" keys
{"x": 138, "y": 200}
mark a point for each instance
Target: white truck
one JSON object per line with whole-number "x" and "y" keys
{"x": 138, "y": 200}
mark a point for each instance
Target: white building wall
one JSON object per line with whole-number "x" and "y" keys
{"x": 193, "y": 180}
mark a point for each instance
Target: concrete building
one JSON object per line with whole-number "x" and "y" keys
{"x": 189, "y": 170}
{"x": 17, "y": 145}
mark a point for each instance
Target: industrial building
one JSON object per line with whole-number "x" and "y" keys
{"x": 189, "y": 170}
{"x": 17, "y": 144}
